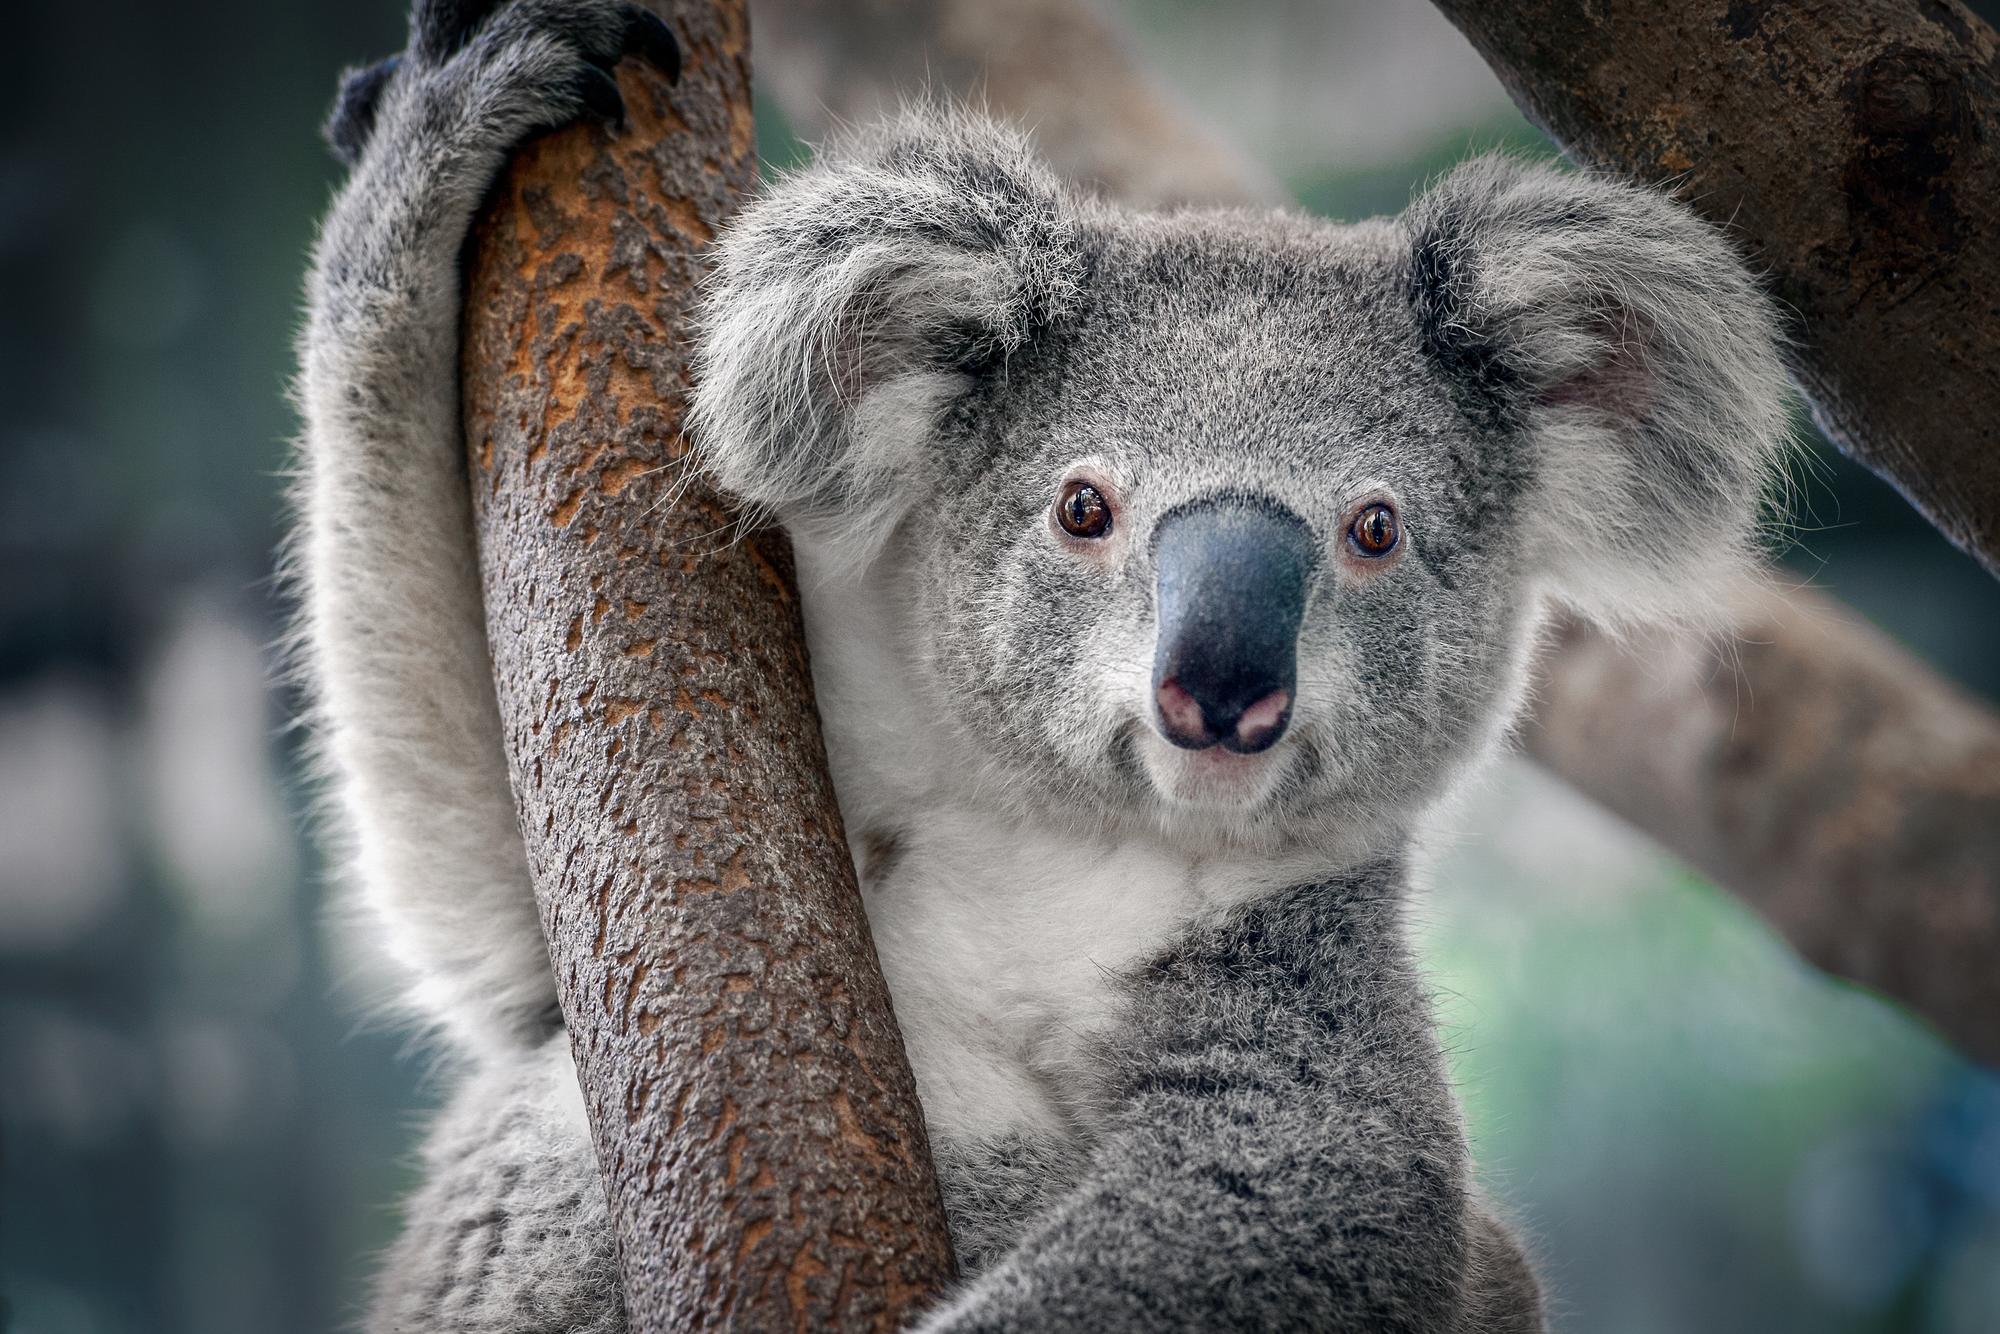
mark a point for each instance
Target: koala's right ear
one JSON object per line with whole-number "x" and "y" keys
{"x": 855, "y": 302}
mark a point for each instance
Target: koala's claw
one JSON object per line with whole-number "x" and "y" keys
{"x": 449, "y": 35}
{"x": 600, "y": 94}
{"x": 441, "y": 28}
{"x": 648, "y": 34}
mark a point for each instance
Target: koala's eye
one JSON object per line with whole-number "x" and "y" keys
{"x": 1082, "y": 510}
{"x": 1374, "y": 530}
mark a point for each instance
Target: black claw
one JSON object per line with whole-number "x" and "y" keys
{"x": 648, "y": 34}
{"x": 600, "y": 93}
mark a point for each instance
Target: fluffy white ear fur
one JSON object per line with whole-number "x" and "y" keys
{"x": 857, "y": 299}
{"x": 1623, "y": 342}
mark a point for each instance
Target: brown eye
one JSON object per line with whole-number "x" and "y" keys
{"x": 1374, "y": 530}
{"x": 1082, "y": 510}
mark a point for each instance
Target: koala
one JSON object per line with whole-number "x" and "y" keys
{"x": 1164, "y": 573}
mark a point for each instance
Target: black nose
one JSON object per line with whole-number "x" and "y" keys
{"x": 1232, "y": 590}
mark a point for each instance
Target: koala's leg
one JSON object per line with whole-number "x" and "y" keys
{"x": 1279, "y": 1150}
{"x": 509, "y": 1233}
{"x": 392, "y": 630}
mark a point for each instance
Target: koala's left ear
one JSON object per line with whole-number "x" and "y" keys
{"x": 1617, "y": 341}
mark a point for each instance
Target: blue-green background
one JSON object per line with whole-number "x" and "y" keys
{"x": 201, "y": 1132}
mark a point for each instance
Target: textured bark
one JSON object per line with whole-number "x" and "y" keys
{"x": 754, "y": 1113}
{"x": 1854, "y": 145}
{"x": 1870, "y": 843}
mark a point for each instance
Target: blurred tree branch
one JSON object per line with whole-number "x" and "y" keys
{"x": 1855, "y": 146}
{"x": 1098, "y": 116}
{"x": 754, "y": 1113}
{"x": 1821, "y": 773}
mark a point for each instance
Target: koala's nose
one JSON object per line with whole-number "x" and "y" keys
{"x": 1231, "y": 593}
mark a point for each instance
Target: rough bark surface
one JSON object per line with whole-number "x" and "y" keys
{"x": 1870, "y": 843}
{"x": 754, "y": 1113}
{"x": 1855, "y": 146}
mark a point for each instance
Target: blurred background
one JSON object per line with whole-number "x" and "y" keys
{"x": 201, "y": 1132}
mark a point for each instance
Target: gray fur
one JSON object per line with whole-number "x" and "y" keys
{"x": 1279, "y": 1151}
{"x": 509, "y": 1230}
{"x": 1178, "y": 1067}
{"x": 993, "y": 1187}
{"x": 391, "y": 619}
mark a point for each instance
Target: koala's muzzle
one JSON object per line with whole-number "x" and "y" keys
{"x": 1232, "y": 590}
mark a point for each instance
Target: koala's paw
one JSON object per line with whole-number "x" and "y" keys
{"x": 485, "y": 75}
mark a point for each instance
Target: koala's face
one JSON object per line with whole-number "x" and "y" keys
{"x": 1235, "y": 525}
{"x": 1204, "y": 552}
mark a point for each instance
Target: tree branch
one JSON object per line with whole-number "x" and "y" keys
{"x": 1855, "y": 145}
{"x": 754, "y": 1114}
{"x": 1889, "y": 875}
{"x": 1099, "y": 117}
{"x": 1821, "y": 772}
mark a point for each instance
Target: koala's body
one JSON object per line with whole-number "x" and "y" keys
{"x": 1163, "y": 572}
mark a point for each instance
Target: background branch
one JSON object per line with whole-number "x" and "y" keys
{"x": 1099, "y": 116}
{"x": 1818, "y": 770}
{"x": 1855, "y": 146}
{"x": 754, "y": 1114}
{"x": 1868, "y": 830}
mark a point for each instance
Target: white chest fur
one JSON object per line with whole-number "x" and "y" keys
{"x": 1000, "y": 935}
{"x": 1001, "y": 943}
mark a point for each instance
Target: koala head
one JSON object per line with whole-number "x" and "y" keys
{"x": 1236, "y": 523}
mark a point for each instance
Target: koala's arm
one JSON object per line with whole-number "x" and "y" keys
{"x": 1281, "y": 1151}
{"x": 508, "y": 1233}
{"x": 392, "y": 632}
